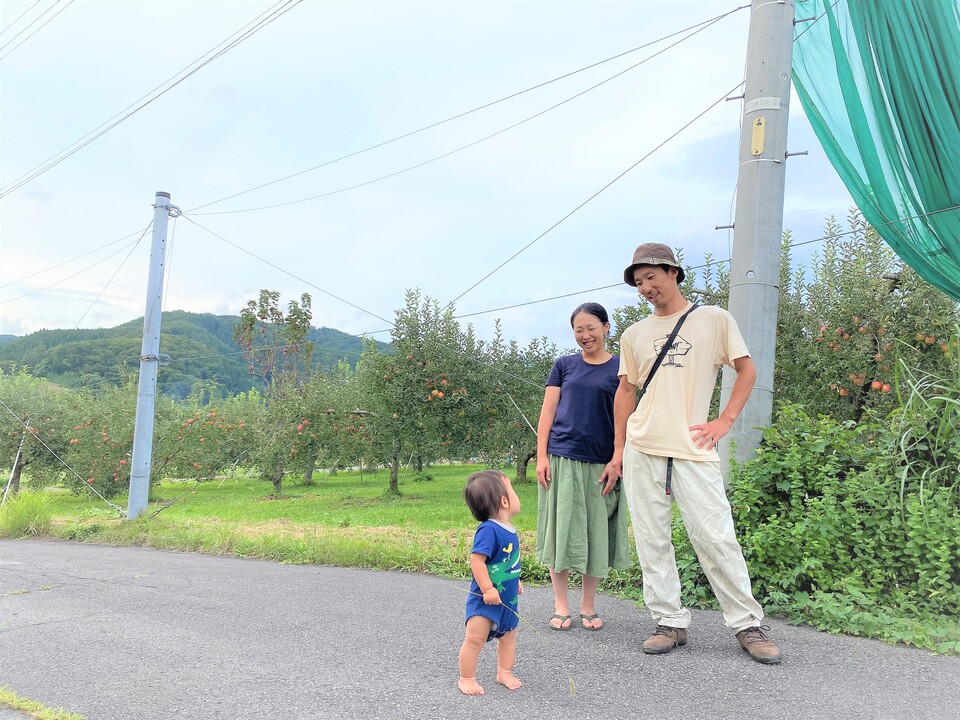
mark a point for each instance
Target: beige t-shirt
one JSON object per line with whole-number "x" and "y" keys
{"x": 680, "y": 393}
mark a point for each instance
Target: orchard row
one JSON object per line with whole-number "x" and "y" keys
{"x": 844, "y": 339}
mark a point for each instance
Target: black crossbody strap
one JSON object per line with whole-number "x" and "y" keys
{"x": 664, "y": 350}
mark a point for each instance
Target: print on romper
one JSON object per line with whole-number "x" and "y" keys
{"x": 679, "y": 348}
{"x": 506, "y": 569}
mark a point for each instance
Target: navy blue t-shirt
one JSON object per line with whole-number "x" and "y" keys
{"x": 583, "y": 427}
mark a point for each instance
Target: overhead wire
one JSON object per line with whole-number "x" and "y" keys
{"x": 21, "y": 15}
{"x": 438, "y": 123}
{"x": 70, "y": 277}
{"x": 702, "y": 25}
{"x": 110, "y": 279}
{"x": 594, "y": 195}
{"x": 168, "y": 265}
{"x": 470, "y": 144}
{"x": 284, "y": 271}
{"x": 512, "y": 257}
{"x": 56, "y": 2}
{"x": 452, "y": 302}
{"x": 67, "y": 262}
{"x": 538, "y": 301}
{"x": 711, "y": 263}
{"x": 231, "y": 42}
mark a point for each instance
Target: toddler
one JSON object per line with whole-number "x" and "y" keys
{"x": 495, "y": 565}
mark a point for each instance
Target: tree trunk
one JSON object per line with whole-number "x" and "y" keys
{"x": 311, "y": 466}
{"x": 278, "y": 478}
{"x": 395, "y": 475}
{"x": 419, "y": 463}
{"x": 15, "y": 479}
{"x": 522, "y": 462}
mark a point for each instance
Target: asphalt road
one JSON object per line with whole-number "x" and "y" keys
{"x": 115, "y": 633}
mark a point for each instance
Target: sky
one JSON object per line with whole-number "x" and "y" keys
{"x": 326, "y": 79}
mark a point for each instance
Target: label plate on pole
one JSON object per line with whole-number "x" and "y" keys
{"x": 756, "y": 140}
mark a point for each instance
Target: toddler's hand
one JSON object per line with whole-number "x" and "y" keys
{"x": 491, "y": 596}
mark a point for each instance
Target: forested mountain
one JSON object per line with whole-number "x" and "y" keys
{"x": 200, "y": 345}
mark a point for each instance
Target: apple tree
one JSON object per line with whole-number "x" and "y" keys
{"x": 34, "y": 422}
{"x": 275, "y": 346}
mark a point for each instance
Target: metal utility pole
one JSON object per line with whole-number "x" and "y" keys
{"x": 142, "y": 457}
{"x": 758, "y": 221}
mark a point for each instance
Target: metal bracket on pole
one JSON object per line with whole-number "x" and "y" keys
{"x": 161, "y": 359}
{"x": 795, "y": 154}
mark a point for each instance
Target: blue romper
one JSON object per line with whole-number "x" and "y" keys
{"x": 501, "y": 546}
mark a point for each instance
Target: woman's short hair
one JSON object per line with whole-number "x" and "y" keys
{"x": 483, "y": 493}
{"x": 591, "y": 308}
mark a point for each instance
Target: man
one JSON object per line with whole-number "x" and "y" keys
{"x": 667, "y": 451}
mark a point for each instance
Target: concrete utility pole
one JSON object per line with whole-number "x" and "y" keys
{"x": 142, "y": 457}
{"x": 758, "y": 221}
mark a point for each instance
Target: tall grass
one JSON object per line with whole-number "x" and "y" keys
{"x": 27, "y": 514}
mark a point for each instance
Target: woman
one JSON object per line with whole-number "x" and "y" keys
{"x": 581, "y": 522}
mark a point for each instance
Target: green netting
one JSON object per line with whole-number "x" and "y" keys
{"x": 880, "y": 82}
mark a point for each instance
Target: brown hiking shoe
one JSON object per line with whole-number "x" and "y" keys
{"x": 755, "y": 642}
{"x": 664, "y": 639}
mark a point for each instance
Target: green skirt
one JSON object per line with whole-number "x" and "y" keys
{"x": 578, "y": 528}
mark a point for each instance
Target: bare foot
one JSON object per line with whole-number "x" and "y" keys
{"x": 508, "y": 679}
{"x": 470, "y": 686}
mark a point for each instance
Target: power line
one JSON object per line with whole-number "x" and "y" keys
{"x": 231, "y": 42}
{"x": 56, "y": 2}
{"x": 594, "y": 195}
{"x": 465, "y": 113}
{"x": 37, "y": 2}
{"x": 702, "y": 25}
{"x": 67, "y": 262}
{"x": 285, "y": 272}
{"x": 726, "y": 261}
{"x": 528, "y": 303}
{"x": 79, "y": 272}
{"x": 110, "y": 280}
{"x": 452, "y": 302}
{"x": 468, "y": 145}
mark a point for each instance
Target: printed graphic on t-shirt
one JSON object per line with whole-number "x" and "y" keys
{"x": 506, "y": 569}
{"x": 679, "y": 348}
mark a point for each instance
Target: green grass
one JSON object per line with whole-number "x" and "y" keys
{"x": 350, "y": 520}
{"x": 34, "y": 709}
{"x": 347, "y": 520}
{"x": 343, "y": 500}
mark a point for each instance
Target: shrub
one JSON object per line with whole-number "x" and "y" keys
{"x": 842, "y": 529}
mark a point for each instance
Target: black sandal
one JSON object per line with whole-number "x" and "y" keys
{"x": 562, "y": 619}
{"x": 590, "y": 619}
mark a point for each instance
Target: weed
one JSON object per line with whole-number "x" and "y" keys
{"x": 26, "y": 515}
